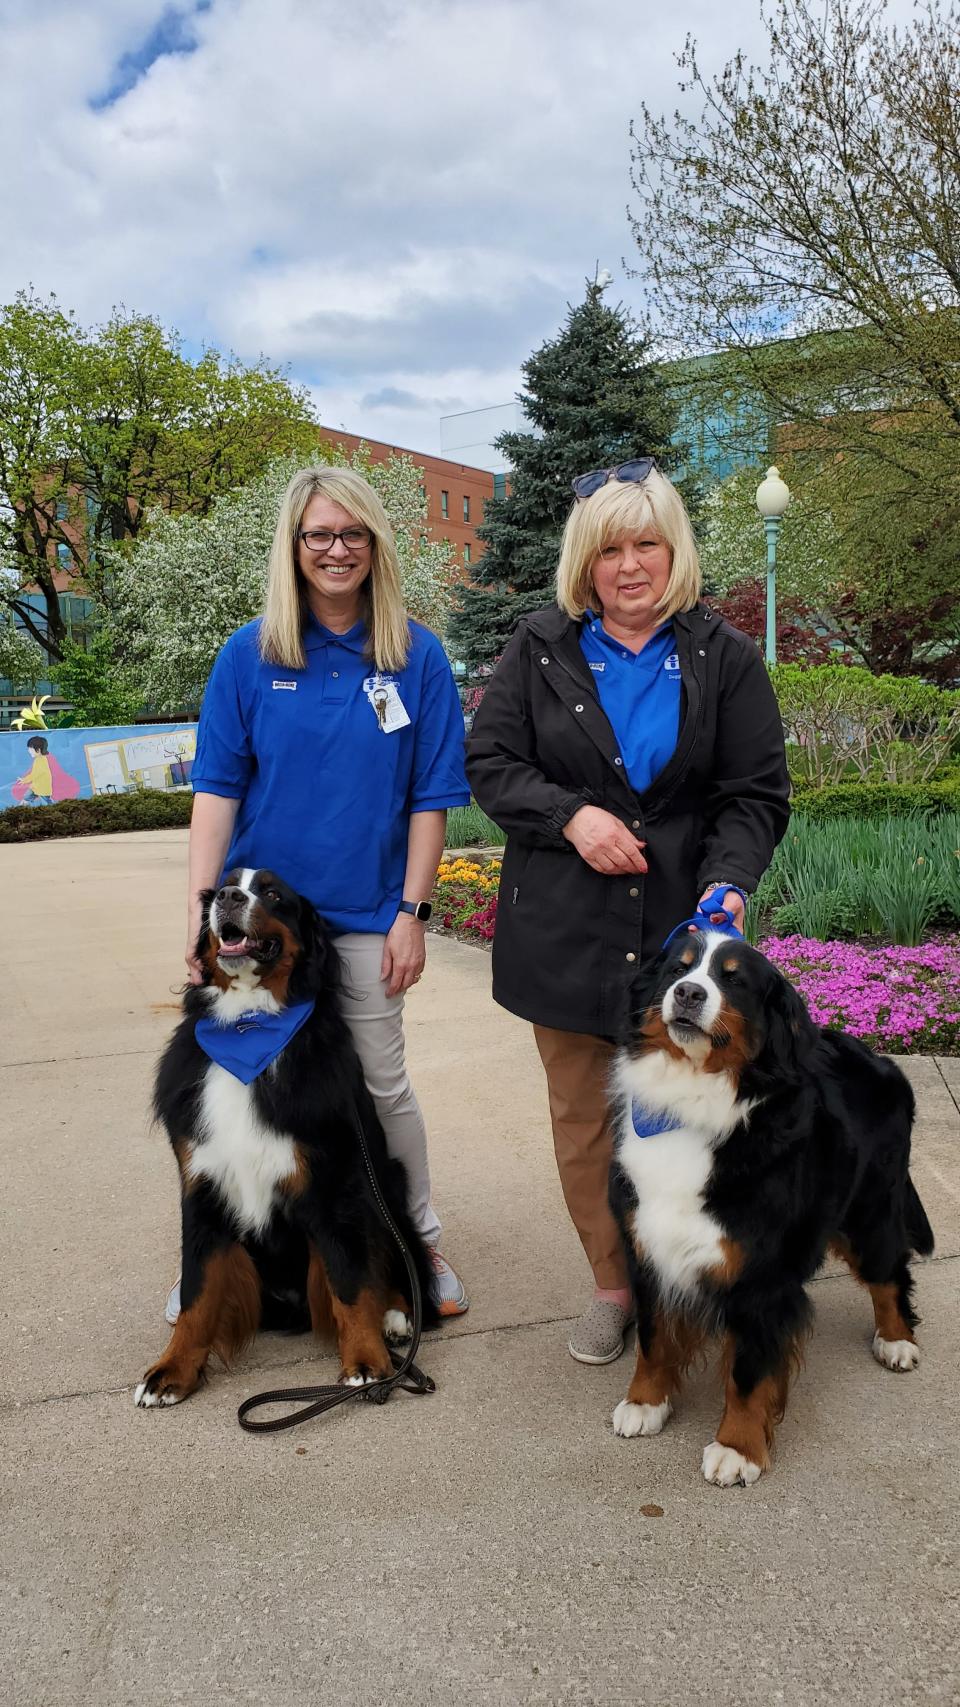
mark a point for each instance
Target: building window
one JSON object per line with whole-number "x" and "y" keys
{"x": 445, "y": 505}
{"x": 466, "y": 509}
{"x": 64, "y": 556}
{"x": 467, "y": 554}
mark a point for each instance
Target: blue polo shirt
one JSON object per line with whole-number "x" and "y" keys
{"x": 640, "y": 694}
{"x": 325, "y": 795}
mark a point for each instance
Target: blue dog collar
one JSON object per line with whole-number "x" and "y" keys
{"x": 248, "y": 1045}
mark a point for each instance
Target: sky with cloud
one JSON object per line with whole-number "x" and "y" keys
{"x": 396, "y": 198}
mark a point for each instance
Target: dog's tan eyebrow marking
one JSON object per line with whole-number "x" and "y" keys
{"x": 688, "y": 957}
{"x": 730, "y": 964}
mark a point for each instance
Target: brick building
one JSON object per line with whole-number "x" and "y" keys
{"x": 456, "y": 493}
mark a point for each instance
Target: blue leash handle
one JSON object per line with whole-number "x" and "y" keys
{"x": 702, "y": 919}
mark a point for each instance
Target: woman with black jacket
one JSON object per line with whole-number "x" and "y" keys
{"x": 630, "y": 745}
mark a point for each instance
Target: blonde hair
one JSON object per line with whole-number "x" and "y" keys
{"x": 286, "y": 609}
{"x": 626, "y": 507}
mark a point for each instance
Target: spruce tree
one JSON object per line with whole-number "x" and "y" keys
{"x": 593, "y": 400}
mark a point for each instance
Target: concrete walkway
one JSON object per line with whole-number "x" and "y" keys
{"x": 494, "y": 1543}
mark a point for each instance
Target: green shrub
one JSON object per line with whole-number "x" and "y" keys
{"x": 877, "y": 799}
{"x": 147, "y": 809}
{"x": 843, "y": 722}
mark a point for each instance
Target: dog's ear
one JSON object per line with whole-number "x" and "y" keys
{"x": 643, "y": 989}
{"x": 788, "y": 1032}
{"x": 319, "y": 964}
{"x": 203, "y": 935}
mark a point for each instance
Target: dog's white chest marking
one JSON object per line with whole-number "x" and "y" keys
{"x": 245, "y": 1160}
{"x": 670, "y": 1172}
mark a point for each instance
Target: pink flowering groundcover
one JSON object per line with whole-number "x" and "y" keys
{"x": 904, "y": 1000}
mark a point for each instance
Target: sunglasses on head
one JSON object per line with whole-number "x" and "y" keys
{"x": 637, "y": 471}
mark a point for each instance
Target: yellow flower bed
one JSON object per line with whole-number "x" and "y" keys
{"x": 471, "y": 874}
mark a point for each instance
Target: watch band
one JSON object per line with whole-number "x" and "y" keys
{"x": 420, "y": 909}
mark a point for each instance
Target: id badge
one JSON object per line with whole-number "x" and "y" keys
{"x": 388, "y": 707}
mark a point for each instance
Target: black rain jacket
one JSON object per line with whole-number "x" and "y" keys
{"x": 569, "y": 939}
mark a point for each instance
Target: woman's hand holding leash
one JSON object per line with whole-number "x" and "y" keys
{"x": 730, "y": 899}
{"x": 606, "y": 844}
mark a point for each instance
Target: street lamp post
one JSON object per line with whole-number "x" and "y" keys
{"x": 773, "y": 496}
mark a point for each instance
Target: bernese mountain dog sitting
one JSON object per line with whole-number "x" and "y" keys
{"x": 261, "y": 1093}
{"x": 748, "y": 1142}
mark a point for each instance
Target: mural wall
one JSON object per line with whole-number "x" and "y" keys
{"x": 40, "y": 766}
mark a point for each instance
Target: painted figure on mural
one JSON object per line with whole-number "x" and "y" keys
{"x": 46, "y": 780}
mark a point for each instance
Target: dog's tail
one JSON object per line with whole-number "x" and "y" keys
{"x": 919, "y": 1230}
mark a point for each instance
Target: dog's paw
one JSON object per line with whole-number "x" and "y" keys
{"x": 630, "y": 1420}
{"x": 896, "y": 1354}
{"x": 726, "y": 1467}
{"x": 160, "y": 1387}
{"x": 359, "y": 1380}
{"x": 397, "y": 1327}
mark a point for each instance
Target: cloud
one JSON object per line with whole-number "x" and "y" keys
{"x": 399, "y": 196}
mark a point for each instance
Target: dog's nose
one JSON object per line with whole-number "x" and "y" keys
{"x": 230, "y": 892}
{"x": 690, "y": 996}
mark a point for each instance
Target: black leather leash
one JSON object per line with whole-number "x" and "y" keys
{"x": 406, "y": 1374}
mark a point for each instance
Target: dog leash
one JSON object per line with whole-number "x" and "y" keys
{"x": 406, "y": 1374}
{"x": 702, "y": 919}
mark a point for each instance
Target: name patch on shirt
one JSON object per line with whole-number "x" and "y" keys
{"x": 291, "y": 687}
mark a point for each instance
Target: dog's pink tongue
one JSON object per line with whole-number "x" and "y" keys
{"x": 227, "y": 949}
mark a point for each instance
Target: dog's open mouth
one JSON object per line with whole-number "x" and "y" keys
{"x": 234, "y": 944}
{"x": 685, "y": 1030}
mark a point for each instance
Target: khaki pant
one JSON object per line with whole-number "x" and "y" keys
{"x": 376, "y": 1026}
{"x": 577, "y": 1066}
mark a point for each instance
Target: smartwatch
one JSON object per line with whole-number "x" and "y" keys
{"x": 420, "y": 909}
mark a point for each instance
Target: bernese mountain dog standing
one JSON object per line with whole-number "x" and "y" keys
{"x": 748, "y": 1142}
{"x": 261, "y": 1093}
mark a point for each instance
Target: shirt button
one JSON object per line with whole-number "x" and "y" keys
{"x": 336, "y": 674}
{"x": 631, "y": 957}
{"x": 634, "y": 893}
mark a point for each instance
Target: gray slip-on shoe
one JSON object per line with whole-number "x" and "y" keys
{"x": 598, "y": 1336}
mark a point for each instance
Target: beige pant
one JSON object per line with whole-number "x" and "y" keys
{"x": 576, "y": 1066}
{"x": 376, "y": 1026}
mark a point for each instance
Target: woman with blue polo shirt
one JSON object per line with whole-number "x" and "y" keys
{"x": 630, "y": 745}
{"x": 329, "y": 749}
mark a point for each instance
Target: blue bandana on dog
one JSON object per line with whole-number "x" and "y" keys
{"x": 249, "y": 1043}
{"x": 650, "y": 1122}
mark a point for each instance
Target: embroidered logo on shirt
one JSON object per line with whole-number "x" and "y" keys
{"x": 290, "y": 686}
{"x": 672, "y": 663}
{"x": 598, "y": 667}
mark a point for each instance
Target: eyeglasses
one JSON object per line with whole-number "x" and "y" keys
{"x": 637, "y": 471}
{"x": 321, "y": 539}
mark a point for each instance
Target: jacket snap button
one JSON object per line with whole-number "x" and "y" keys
{"x": 544, "y": 660}
{"x": 578, "y": 708}
{"x": 636, "y": 824}
{"x": 702, "y": 652}
{"x": 631, "y": 957}
{"x": 634, "y": 893}
{"x": 616, "y": 760}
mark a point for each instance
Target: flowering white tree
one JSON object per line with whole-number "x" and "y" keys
{"x": 22, "y": 661}
{"x": 191, "y": 580}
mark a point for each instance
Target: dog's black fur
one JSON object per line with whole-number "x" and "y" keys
{"x": 811, "y": 1151}
{"x": 324, "y": 1256}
